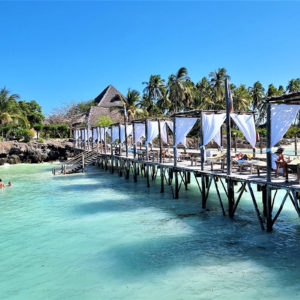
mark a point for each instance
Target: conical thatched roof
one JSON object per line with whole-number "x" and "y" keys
{"x": 110, "y": 97}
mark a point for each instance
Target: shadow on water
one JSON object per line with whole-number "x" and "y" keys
{"x": 103, "y": 206}
{"x": 211, "y": 240}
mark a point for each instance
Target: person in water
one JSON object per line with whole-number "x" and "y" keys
{"x": 281, "y": 163}
{"x": 2, "y": 185}
{"x": 9, "y": 183}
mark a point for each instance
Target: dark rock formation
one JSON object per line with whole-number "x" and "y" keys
{"x": 35, "y": 152}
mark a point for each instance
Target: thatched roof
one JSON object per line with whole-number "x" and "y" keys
{"x": 96, "y": 111}
{"x": 108, "y": 103}
{"x": 110, "y": 97}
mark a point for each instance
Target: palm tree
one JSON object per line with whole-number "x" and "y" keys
{"x": 241, "y": 98}
{"x": 203, "y": 95}
{"x": 9, "y": 109}
{"x": 154, "y": 88}
{"x": 217, "y": 82}
{"x": 293, "y": 86}
{"x": 130, "y": 103}
{"x": 178, "y": 89}
{"x": 257, "y": 92}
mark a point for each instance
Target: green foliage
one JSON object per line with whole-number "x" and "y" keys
{"x": 28, "y": 135}
{"x": 292, "y": 132}
{"x": 83, "y": 107}
{"x": 104, "y": 121}
{"x": 41, "y": 140}
{"x": 55, "y": 131}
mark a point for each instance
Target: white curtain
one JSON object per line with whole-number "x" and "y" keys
{"x": 163, "y": 130}
{"x": 152, "y": 131}
{"x": 247, "y": 126}
{"x": 86, "y": 134}
{"x": 129, "y": 132}
{"x": 76, "y": 134}
{"x": 217, "y": 138}
{"x": 115, "y": 133}
{"x": 95, "y": 134}
{"x": 183, "y": 127}
{"x": 106, "y": 130}
{"x": 282, "y": 117}
{"x": 139, "y": 131}
{"x": 82, "y": 135}
{"x": 211, "y": 127}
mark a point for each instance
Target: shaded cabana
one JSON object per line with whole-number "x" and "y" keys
{"x": 281, "y": 112}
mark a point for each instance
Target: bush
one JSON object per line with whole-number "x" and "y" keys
{"x": 41, "y": 140}
{"x": 104, "y": 121}
{"x": 28, "y": 135}
{"x": 55, "y": 131}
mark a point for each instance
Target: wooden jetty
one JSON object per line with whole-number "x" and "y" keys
{"x": 230, "y": 184}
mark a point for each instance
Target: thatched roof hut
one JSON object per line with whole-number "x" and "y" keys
{"x": 108, "y": 103}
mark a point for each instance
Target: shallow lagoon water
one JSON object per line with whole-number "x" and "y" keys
{"x": 99, "y": 236}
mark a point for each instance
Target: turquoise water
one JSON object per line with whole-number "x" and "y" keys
{"x": 99, "y": 236}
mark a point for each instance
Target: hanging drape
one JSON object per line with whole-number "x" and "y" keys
{"x": 152, "y": 131}
{"x": 211, "y": 127}
{"x": 86, "y": 135}
{"x": 76, "y": 134}
{"x": 107, "y": 131}
{"x": 82, "y": 135}
{"x": 247, "y": 126}
{"x": 95, "y": 134}
{"x": 129, "y": 132}
{"x": 164, "y": 131}
{"x": 217, "y": 138}
{"x": 139, "y": 131}
{"x": 282, "y": 117}
{"x": 115, "y": 133}
{"x": 183, "y": 127}
{"x": 98, "y": 135}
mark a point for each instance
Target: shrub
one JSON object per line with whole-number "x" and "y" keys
{"x": 28, "y": 134}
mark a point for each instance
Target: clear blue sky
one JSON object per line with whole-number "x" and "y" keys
{"x": 55, "y": 52}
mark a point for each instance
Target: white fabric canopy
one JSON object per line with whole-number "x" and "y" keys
{"x": 247, "y": 126}
{"x": 115, "y": 133}
{"x": 152, "y": 131}
{"x": 82, "y": 131}
{"x": 282, "y": 117}
{"x": 86, "y": 135}
{"x": 129, "y": 130}
{"x": 183, "y": 127}
{"x": 139, "y": 131}
{"x": 211, "y": 127}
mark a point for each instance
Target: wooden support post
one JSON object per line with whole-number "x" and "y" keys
{"x": 176, "y": 194}
{"x": 92, "y": 138}
{"x": 99, "y": 139}
{"x": 296, "y": 146}
{"x": 203, "y": 193}
{"x": 234, "y": 141}
{"x": 134, "y": 153}
{"x": 147, "y": 154}
{"x": 228, "y": 131}
{"x": 260, "y": 145}
{"x": 111, "y": 151}
{"x": 160, "y": 141}
{"x": 126, "y": 137}
{"x": 269, "y": 169}
{"x": 120, "y": 146}
{"x": 162, "y": 187}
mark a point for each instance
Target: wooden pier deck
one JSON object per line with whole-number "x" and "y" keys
{"x": 232, "y": 186}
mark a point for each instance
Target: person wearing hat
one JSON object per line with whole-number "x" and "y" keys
{"x": 281, "y": 163}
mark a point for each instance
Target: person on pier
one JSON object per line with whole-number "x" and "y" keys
{"x": 281, "y": 163}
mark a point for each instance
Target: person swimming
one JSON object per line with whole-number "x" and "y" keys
{"x": 9, "y": 183}
{"x": 2, "y": 185}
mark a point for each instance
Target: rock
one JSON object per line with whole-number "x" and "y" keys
{"x": 34, "y": 152}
